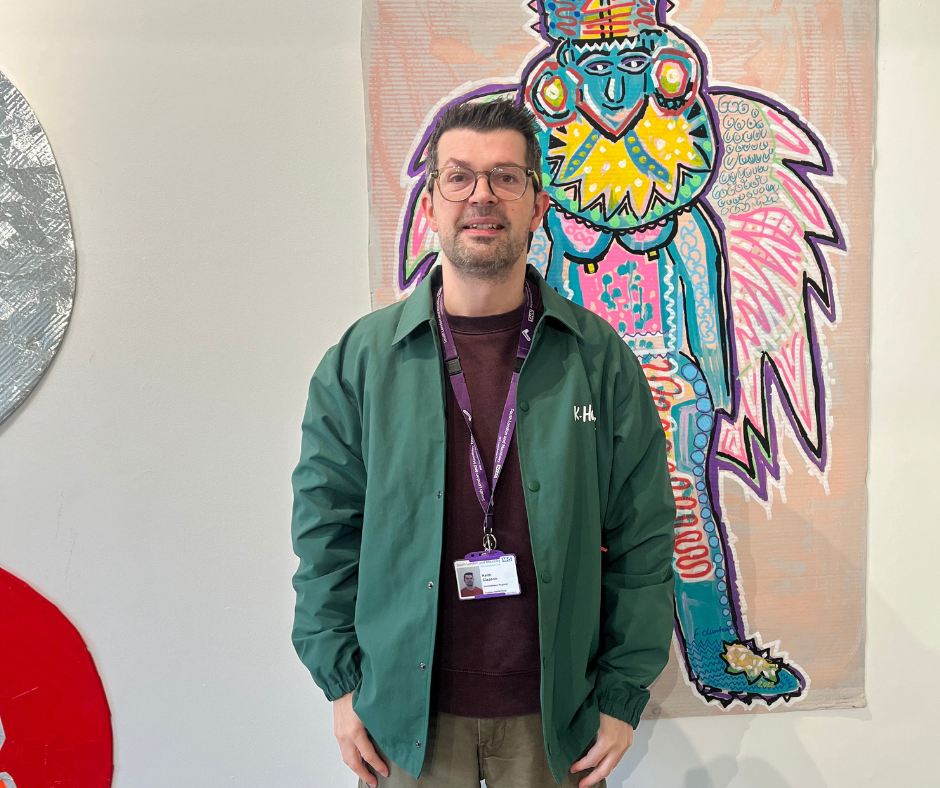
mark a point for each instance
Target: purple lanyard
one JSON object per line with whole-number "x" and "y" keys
{"x": 481, "y": 483}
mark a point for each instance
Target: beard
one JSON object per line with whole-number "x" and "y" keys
{"x": 488, "y": 259}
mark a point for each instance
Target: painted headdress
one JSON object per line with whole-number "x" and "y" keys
{"x": 554, "y": 91}
{"x": 619, "y": 151}
{"x": 595, "y": 20}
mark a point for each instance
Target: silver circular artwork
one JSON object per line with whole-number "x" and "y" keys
{"x": 37, "y": 251}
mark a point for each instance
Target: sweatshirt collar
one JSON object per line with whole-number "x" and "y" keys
{"x": 419, "y": 306}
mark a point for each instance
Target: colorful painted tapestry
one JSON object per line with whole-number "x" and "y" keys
{"x": 709, "y": 166}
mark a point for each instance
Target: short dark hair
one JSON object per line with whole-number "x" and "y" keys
{"x": 497, "y": 115}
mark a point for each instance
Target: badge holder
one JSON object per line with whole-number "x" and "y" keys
{"x": 487, "y": 574}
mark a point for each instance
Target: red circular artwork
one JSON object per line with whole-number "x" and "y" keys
{"x": 55, "y": 724}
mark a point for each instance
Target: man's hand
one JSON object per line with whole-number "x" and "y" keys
{"x": 354, "y": 742}
{"x": 614, "y": 738}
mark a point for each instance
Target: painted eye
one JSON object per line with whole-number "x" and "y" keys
{"x": 634, "y": 64}
{"x": 598, "y": 68}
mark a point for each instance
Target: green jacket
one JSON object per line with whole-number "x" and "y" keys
{"x": 368, "y": 522}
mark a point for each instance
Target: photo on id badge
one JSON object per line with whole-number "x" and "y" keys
{"x": 487, "y": 577}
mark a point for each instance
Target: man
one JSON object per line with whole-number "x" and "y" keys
{"x": 564, "y": 474}
{"x": 469, "y": 589}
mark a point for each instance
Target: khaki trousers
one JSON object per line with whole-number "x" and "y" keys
{"x": 507, "y": 752}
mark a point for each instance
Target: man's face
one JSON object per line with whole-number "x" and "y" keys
{"x": 468, "y": 580}
{"x": 484, "y": 252}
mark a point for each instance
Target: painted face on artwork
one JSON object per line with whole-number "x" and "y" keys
{"x": 482, "y": 236}
{"x": 615, "y": 87}
{"x": 468, "y": 580}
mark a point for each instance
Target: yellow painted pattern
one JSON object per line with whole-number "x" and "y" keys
{"x": 618, "y": 169}
{"x": 667, "y": 139}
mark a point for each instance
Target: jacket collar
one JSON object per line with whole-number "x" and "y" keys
{"x": 419, "y": 306}
{"x": 554, "y": 305}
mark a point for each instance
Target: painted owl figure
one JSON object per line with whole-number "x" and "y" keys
{"x": 682, "y": 213}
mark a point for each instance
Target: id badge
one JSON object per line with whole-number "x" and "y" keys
{"x": 487, "y": 575}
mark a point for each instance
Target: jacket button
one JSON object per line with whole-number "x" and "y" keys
{"x": 438, "y": 493}
{"x": 546, "y": 576}
{"x": 523, "y": 406}
{"x": 430, "y": 585}
{"x": 423, "y": 666}
{"x": 417, "y": 744}
{"x": 534, "y": 486}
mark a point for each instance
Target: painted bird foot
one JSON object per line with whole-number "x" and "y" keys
{"x": 742, "y": 671}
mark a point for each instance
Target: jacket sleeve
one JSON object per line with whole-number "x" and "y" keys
{"x": 329, "y": 495}
{"x": 637, "y": 578}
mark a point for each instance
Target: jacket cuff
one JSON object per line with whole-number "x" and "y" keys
{"x": 626, "y": 709}
{"x": 335, "y": 691}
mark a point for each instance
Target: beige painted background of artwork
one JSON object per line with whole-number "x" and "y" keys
{"x": 802, "y": 558}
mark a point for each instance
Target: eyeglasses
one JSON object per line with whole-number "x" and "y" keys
{"x": 507, "y": 183}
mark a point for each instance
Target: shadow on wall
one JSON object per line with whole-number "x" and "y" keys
{"x": 719, "y": 772}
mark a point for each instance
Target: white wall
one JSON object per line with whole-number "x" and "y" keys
{"x": 213, "y": 155}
